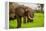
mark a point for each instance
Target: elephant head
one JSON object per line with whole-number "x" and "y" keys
{"x": 29, "y": 13}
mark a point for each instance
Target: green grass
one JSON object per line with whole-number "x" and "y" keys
{"x": 38, "y": 21}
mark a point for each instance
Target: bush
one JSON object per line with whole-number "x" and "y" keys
{"x": 39, "y": 11}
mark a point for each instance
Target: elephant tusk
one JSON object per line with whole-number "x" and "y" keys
{"x": 30, "y": 17}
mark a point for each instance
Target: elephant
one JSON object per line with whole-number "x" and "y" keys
{"x": 18, "y": 12}
{"x": 23, "y": 11}
{"x": 29, "y": 14}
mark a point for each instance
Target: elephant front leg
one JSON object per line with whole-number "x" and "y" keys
{"x": 18, "y": 22}
{"x": 24, "y": 20}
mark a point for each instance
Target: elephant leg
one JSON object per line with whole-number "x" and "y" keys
{"x": 28, "y": 20}
{"x": 24, "y": 20}
{"x": 18, "y": 22}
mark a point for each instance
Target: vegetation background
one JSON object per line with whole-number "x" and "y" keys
{"x": 38, "y": 20}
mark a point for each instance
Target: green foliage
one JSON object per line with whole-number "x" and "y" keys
{"x": 38, "y": 21}
{"x": 39, "y": 11}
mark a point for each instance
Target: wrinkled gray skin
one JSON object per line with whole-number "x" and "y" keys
{"x": 29, "y": 13}
{"x": 18, "y": 12}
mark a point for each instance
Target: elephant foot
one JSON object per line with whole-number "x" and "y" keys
{"x": 18, "y": 27}
{"x": 24, "y": 22}
{"x": 27, "y": 21}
